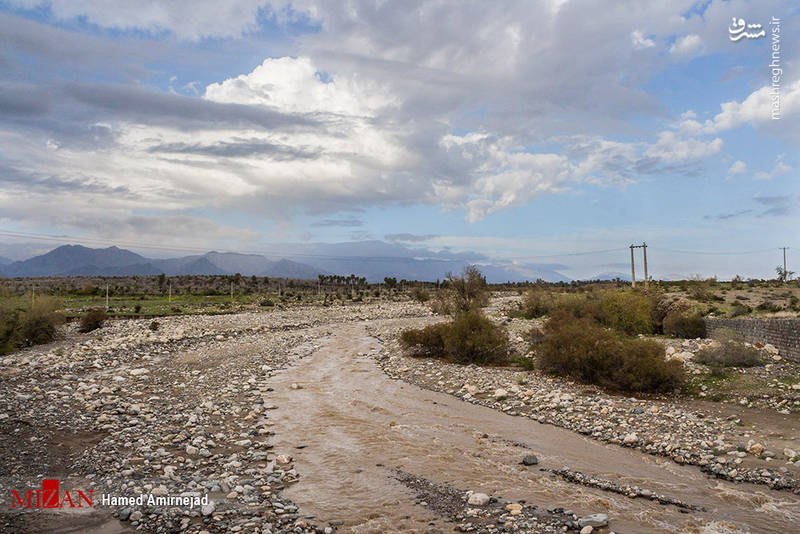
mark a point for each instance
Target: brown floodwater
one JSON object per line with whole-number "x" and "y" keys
{"x": 357, "y": 425}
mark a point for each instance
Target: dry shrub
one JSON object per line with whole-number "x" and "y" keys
{"x": 468, "y": 338}
{"x": 92, "y": 320}
{"x": 731, "y": 352}
{"x": 29, "y": 324}
{"x": 685, "y": 325}
{"x": 420, "y": 295}
{"x": 462, "y": 293}
{"x": 584, "y": 350}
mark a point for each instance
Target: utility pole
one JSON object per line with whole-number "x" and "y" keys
{"x": 633, "y": 271}
{"x": 785, "y": 272}
{"x": 170, "y": 292}
{"x": 644, "y": 250}
{"x": 106, "y": 297}
{"x": 231, "y": 291}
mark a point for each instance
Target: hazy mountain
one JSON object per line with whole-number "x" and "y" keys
{"x": 188, "y": 265}
{"x": 292, "y": 269}
{"x": 5, "y": 261}
{"x": 76, "y": 260}
{"x": 72, "y": 260}
{"x": 245, "y": 264}
{"x": 373, "y": 260}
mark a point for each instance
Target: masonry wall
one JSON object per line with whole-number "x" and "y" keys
{"x": 784, "y": 334}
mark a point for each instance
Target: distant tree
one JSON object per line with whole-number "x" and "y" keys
{"x": 390, "y": 282}
{"x": 783, "y": 276}
{"x": 463, "y": 293}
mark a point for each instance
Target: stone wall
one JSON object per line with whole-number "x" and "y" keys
{"x": 784, "y": 334}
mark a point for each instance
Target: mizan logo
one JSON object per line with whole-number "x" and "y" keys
{"x": 50, "y": 496}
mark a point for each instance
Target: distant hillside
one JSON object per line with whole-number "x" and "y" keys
{"x": 71, "y": 260}
{"x": 77, "y": 260}
{"x": 373, "y": 260}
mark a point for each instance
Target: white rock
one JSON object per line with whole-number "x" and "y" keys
{"x": 500, "y": 393}
{"x": 208, "y": 509}
{"x": 630, "y": 439}
{"x": 594, "y": 520}
{"x": 478, "y": 499}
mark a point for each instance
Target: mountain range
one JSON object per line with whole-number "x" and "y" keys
{"x": 371, "y": 259}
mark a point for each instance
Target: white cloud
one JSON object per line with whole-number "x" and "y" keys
{"x": 687, "y": 46}
{"x": 779, "y": 168}
{"x": 670, "y": 147}
{"x": 386, "y": 87}
{"x": 640, "y": 42}
{"x": 295, "y": 85}
{"x": 738, "y": 167}
{"x": 194, "y": 20}
{"x": 756, "y": 109}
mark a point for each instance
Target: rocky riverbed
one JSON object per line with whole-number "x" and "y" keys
{"x": 743, "y": 446}
{"x": 179, "y": 410}
{"x": 213, "y": 407}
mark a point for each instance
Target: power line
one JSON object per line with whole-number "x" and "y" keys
{"x": 705, "y": 253}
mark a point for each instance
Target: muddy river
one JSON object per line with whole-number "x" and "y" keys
{"x": 349, "y": 427}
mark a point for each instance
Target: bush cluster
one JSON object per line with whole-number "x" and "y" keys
{"x": 92, "y": 320}
{"x": 685, "y": 325}
{"x": 29, "y": 324}
{"x": 731, "y": 352}
{"x": 582, "y": 349}
{"x": 630, "y": 312}
{"x": 468, "y": 338}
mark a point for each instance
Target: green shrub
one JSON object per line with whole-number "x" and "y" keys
{"x": 29, "y": 324}
{"x": 426, "y": 341}
{"x": 768, "y": 306}
{"x": 738, "y": 310}
{"x": 155, "y": 325}
{"x": 39, "y": 323}
{"x": 584, "y": 350}
{"x": 629, "y": 312}
{"x": 523, "y": 361}
{"x": 535, "y": 303}
{"x": 137, "y": 308}
{"x": 420, "y": 295}
{"x": 266, "y": 303}
{"x": 92, "y": 320}
{"x": 685, "y": 325}
{"x": 468, "y": 338}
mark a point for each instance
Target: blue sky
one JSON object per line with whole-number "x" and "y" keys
{"x": 523, "y": 131}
